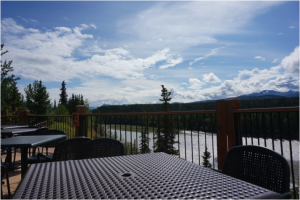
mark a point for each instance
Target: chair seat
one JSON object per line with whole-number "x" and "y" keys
{"x": 33, "y": 159}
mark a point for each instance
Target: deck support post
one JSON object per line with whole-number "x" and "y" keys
{"x": 23, "y": 116}
{"x": 229, "y": 129}
{"x": 81, "y": 130}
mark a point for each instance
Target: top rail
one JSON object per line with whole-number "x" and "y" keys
{"x": 9, "y": 115}
{"x": 150, "y": 113}
{"x": 32, "y": 115}
{"x": 279, "y": 109}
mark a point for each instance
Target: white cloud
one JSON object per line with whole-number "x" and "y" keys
{"x": 190, "y": 68}
{"x": 171, "y": 62}
{"x": 8, "y": 25}
{"x": 195, "y": 83}
{"x": 275, "y": 60}
{"x": 48, "y": 55}
{"x": 291, "y": 62}
{"x": 210, "y": 78}
{"x": 33, "y": 20}
{"x": 292, "y": 27}
{"x": 259, "y": 58}
{"x": 201, "y": 21}
{"x": 280, "y": 33}
{"x": 94, "y": 26}
{"x": 66, "y": 18}
{"x": 212, "y": 52}
{"x": 184, "y": 84}
{"x": 25, "y": 20}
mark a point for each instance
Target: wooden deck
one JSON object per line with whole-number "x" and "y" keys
{"x": 15, "y": 176}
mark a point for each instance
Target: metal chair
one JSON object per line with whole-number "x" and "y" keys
{"x": 260, "y": 166}
{"x": 102, "y": 147}
{"x": 4, "y": 166}
{"x": 44, "y": 131}
{"x": 2, "y": 172}
{"x": 65, "y": 150}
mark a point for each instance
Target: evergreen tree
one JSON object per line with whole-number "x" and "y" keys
{"x": 206, "y": 156}
{"x": 63, "y": 95}
{"x": 10, "y": 96}
{"x": 15, "y": 98}
{"x": 166, "y": 134}
{"x": 145, "y": 140}
{"x": 37, "y": 98}
{"x": 54, "y": 107}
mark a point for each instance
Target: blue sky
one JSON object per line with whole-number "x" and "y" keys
{"x": 121, "y": 52}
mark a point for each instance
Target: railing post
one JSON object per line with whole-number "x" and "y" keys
{"x": 79, "y": 130}
{"x": 23, "y": 116}
{"x": 221, "y": 131}
{"x": 234, "y": 128}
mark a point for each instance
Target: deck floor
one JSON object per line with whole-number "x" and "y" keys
{"x": 15, "y": 176}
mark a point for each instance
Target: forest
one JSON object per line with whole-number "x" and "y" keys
{"x": 266, "y": 125}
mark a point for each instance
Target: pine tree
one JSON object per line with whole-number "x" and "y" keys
{"x": 63, "y": 95}
{"x": 206, "y": 156}
{"x": 10, "y": 95}
{"x": 37, "y": 98}
{"x": 54, "y": 106}
{"x": 165, "y": 134}
{"x": 145, "y": 140}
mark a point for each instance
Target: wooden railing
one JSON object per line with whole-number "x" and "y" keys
{"x": 220, "y": 129}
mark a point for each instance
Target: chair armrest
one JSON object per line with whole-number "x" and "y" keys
{"x": 286, "y": 195}
{"x": 39, "y": 156}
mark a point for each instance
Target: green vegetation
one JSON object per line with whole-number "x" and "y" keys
{"x": 11, "y": 99}
{"x": 165, "y": 134}
{"x": 37, "y": 98}
{"x": 145, "y": 140}
{"x": 206, "y": 156}
{"x": 296, "y": 190}
{"x": 63, "y": 95}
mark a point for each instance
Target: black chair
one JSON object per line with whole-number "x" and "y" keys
{"x": 4, "y": 166}
{"x": 2, "y": 172}
{"x": 260, "y": 166}
{"x": 102, "y": 147}
{"x": 65, "y": 150}
{"x": 44, "y": 131}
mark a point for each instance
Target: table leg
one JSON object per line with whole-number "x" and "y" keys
{"x": 9, "y": 158}
{"x": 24, "y": 163}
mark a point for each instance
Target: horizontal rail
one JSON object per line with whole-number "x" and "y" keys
{"x": 151, "y": 113}
{"x": 9, "y": 115}
{"x": 254, "y": 110}
{"x": 49, "y": 115}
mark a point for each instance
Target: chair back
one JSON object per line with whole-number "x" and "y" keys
{"x": 2, "y": 172}
{"x": 69, "y": 149}
{"x": 258, "y": 165}
{"x": 35, "y": 132}
{"x": 102, "y": 147}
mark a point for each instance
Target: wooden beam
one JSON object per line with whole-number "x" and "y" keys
{"x": 221, "y": 132}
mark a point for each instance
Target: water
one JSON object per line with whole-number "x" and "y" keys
{"x": 191, "y": 148}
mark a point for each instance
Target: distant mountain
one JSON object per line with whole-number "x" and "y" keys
{"x": 290, "y": 93}
{"x": 266, "y": 94}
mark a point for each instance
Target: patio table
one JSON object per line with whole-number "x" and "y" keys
{"x": 11, "y": 132}
{"x": 14, "y": 126}
{"x": 143, "y": 176}
{"x": 25, "y": 142}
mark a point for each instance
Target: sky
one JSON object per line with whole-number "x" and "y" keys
{"x": 120, "y": 52}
